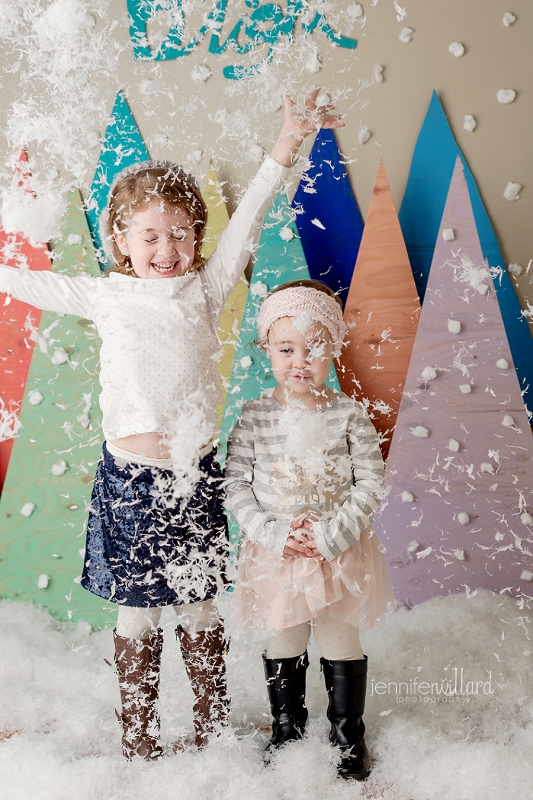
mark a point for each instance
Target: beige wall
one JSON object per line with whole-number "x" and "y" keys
{"x": 176, "y": 116}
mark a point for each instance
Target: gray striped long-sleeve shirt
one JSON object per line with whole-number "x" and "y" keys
{"x": 287, "y": 463}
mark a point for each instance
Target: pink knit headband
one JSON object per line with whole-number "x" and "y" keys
{"x": 311, "y": 305}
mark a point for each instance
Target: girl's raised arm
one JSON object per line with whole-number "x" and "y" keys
{"x": 241, "y": 235}
{"x": 50, "y": 291}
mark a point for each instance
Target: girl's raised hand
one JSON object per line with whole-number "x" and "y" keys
{"x": 300, "y": 123}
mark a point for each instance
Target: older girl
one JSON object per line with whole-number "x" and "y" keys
{"x": 157, "y": 312}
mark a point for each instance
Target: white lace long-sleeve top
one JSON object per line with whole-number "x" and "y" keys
{"x": 322, "y": 464}
{"x": 159, "y": 336}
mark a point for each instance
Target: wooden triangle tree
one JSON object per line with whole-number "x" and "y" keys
{"x": 382, "y": 313}
{"x": 459, "y": 508}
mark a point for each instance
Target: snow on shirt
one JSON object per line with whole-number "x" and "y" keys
{"x": 159, "y": 336}
{"x": 335, "y": 481}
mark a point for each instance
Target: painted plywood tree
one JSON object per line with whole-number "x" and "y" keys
{"x": 381, "y": 312}
{"x": 122, "y": 146}
{"x": 17, "y": 322}
{"x": 54, "y": 458}
{"x": 420, "y": 215}
{"x": 327, "y": 216}
{"x": 460, "y": 469}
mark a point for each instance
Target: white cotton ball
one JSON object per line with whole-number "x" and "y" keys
{"x": 507, "y": 421}
{"x": 363, "y": 135}
{"x": 454, "y": 445}
{"x": 355, "y": 10}
{"x": 469, "y": 123}
{"x": 515, "y": 269}
{"x": 323, "y": 99}
{"x": 454, "y": 326}
{"x": 255, "y": 153}
{"x": 508, "y": 19}
{"x": 200, "y": 73}
{"x": 258, "y": 289}
{"x": 286, "y": 234}
{"x": 413, "y": 546}
{"x": 459, "y": 555}
{"x": 59, "y": 357}
{"x": 43, "y": 581}
{"x": 526, "y": 518}
{"x": 465, "y": 388}
{"x": 482, "y": 288}
{"x": 407, "y": 497}
{"x": 313, "y": 63}
{"x": 92, "y": 139}
{"x": 406, "y": 35}
{"x": 35, "y": 397}
{"x": 27, "y": 509}
{"x": 194, "y": 156}
{"x": 420, "y": 432}
{"x": 59, "y": 468}
{"x": 502, "y": 363}
{"x": 457, "y": 49}
{"x": 526, "y": 575}
{"x": 378, "y": 73}
{"x": 74, "y": 239}
{"x": 463, "y": 518}
{"x": 512, "y": 191}
{"x": 429, "y": 374}
{"x": 506, "y": 96}
{"x": 487, "y": 467}
{"x": 448, "y": 234}
{"x": 245, "y": 362}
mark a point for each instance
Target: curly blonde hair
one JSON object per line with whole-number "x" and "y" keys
{"x": 134, "y": 188}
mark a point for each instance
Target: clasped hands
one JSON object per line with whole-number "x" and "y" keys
{"x": 301, "y": 543}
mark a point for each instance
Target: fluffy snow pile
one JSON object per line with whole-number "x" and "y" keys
{"x": 59, "y": 738}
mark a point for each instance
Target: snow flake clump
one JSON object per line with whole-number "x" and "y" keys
{"x": 457, "y": 49}
{"x": 526, "y": 575}
{"x": 43, "y": 581}
{"x": 245, "y": 362}
{"x": 512, "y": 191}
{"x": 200, "y": 73}
{"x": 515, "y": 269}
{"x": 459, "y": 555}
{"x": 508, "y": 421}
{"x": 364, "y": 134}
{"x": 259, "y": 289}
{"x": 506, "y": 96}
{"x": 355, "y": 10}
{"x": 526, "y": 518}
{"x": 454, "y": 445}
{"x": 407, "y": 497}
{"x": 420, "y": 432}
{"x": 195, "y": 156}
{"x": 429, "y": 374}
{"x": 406, "y": 35}
{"x": 378, "y": 73}
{"x": 469, "y": 123}
{"x": 454, "y": 326}
{"x": 463, "y": 518}
{"x": 502, "y": 363}
{"x": 27, "y": 509}
{"x": 508, "y": 19}
{"x": 35, "y": 397}
{"x": 60, "y": 356}
{"x": 487, "y": 467}
{"x": 448, "y": 234}
{"x": 465, "y": 388}
{"x": 59, "y": 468}
{"x": 286, "y": 234}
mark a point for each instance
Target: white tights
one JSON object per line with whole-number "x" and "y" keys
{"x": 139, "y": 623}
{"x": 336, "y": 640}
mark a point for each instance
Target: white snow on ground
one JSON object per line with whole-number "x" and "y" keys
{"x": 60, "y": 738}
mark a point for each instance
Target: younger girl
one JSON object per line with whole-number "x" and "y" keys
{"x": 304, "y": 478}
{"x": 157, "y": 314}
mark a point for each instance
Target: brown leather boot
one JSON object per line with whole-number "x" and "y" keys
{"x": 138, "y": 662}
{"x": 203, "y": 654}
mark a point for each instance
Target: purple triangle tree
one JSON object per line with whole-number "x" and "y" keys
{"x": 459, "y": 510}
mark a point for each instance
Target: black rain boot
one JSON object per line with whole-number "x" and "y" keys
{"x": 285, "y": 679}
{"x": 346, "y": 686}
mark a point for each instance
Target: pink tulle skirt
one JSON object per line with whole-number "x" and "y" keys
{"x": 272, "y": 593}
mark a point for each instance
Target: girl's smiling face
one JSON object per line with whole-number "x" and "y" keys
{"x": 160, "y": 242}
{"x": 300, "y": 361}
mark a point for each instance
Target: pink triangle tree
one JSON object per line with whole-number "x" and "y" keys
{"x": 459, "y": 510}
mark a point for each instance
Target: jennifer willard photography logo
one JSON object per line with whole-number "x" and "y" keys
{"x": 453, "y": 689}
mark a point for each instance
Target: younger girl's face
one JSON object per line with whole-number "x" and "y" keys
{"x": 300, "y": 360}
{"x": 159, "y": 242}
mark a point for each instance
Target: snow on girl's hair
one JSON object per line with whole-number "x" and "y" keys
{"x": 134, "y": 188}
{"x": 310, "y": 304}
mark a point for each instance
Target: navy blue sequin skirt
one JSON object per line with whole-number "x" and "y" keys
{"x": 145, "y": 551}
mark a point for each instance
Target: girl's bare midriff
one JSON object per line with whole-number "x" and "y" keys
{"x": 151, "y": 445}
